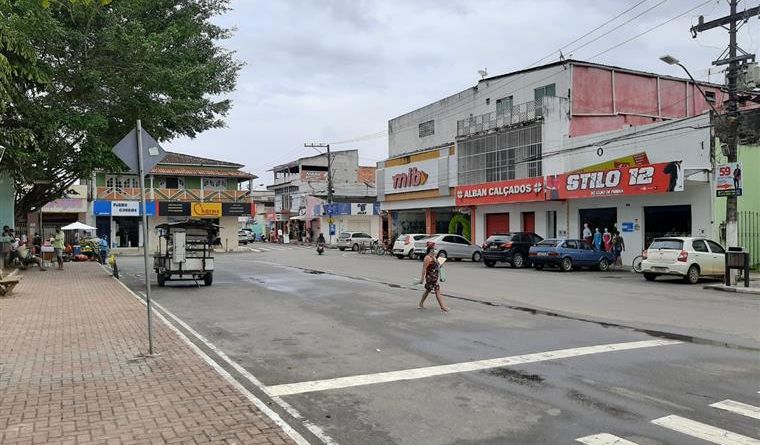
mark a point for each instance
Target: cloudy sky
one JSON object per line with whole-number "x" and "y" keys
{"x": 338, "y": 70}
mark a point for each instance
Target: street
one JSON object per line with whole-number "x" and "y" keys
{"x": 523, "y": 357}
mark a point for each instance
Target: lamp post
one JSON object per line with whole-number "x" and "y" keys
{"x": 670, "y": 60}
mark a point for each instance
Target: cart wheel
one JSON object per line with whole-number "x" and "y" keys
{"x": 161, "y": 279}
{"x": 208, "y": 279}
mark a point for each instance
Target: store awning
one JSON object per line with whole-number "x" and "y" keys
{"x": 78, "y": 226}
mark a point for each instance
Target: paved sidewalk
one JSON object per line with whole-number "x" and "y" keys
{"x": 70, "y": 372}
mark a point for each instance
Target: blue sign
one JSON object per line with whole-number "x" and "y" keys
{"x": 105, "y": 208}
{"x": 332, "y": 229}
{"x": 627, "y": 227}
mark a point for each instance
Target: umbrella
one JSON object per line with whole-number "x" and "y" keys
{"x": 78, "y": 226}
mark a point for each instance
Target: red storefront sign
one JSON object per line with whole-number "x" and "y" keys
{"x": 501, "y": 192}
{"x": 640, "y": 180}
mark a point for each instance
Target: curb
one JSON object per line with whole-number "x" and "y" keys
{"x": 732, "y": 289}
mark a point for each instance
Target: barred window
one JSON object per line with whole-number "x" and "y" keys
{"x": 427, "y": 128}
{"x": 512, "y": 154}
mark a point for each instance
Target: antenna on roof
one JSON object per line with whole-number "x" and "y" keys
{"x": 561, "y": 56}
{"x": 483, "y": 73}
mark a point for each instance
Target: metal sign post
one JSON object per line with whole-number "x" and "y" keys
{"x": 131, "y": 150}
{"x": 143, "y": 210}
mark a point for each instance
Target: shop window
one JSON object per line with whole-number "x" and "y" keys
{"x": 216, "y": 184}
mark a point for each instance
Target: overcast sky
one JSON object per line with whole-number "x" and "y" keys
{"x": 337, "y": 70}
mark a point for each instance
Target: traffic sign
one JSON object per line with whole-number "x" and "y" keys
{"x": 126, "y": 150}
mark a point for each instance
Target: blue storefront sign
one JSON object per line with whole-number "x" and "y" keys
{"x": 345, "y": 209}
{"x": 122, "y": 208}
{"x": 627, "y": 227}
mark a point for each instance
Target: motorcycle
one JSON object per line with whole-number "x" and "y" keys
{"x": 321, "y": 248}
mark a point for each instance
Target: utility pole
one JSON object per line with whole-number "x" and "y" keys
{"x": 329, "y": 184}
{"x": 733, "y": 56}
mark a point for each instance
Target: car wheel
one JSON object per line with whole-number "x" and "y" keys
{"x": 518, "y": 262}
{"x": 443, "y": 254}
{"x": 477, "y": 256}
{"x": 604, "y": 265}
{"x": 538, "y": 266}
{"x": 489, "y": 263}
{"x": 692, "y": 275}
{"x": 355, "y": 247}
{"x": 649, "y": 276}
{"x": 401, "y": 257}
{"x": 411, "y": 254}
{"x": 208, "y": 279}
{"x": 341, "y": 249}
{"x": 566, "y": 265}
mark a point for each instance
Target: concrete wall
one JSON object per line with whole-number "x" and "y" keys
{"x": 403, "y": 131}
{"x": 7, "y": 200}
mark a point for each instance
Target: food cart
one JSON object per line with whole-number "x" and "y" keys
{"x": 185, "y": 251}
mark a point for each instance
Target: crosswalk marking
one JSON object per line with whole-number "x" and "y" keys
{"x": 604, "y": 439}
{"x": 479, "y": 365}
{"x": 703, "y": 431}
{"x": 738, "y": 408}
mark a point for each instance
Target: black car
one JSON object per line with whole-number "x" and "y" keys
{"x": 509, "y": 248}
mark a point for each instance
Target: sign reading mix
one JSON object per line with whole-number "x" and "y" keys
{"x": 412, "y": 177}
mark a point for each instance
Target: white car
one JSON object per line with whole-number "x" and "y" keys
{"x": 353, "y": 240}
{"x": 690, "y": 258}
{"x": 404, "y": 245}
{"x": 454, "y": 247}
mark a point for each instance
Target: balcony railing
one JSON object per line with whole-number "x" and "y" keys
{"x": 518, "y": 114}
{"x": 129, "y": 194}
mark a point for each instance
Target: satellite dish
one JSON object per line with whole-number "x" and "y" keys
{"x": 483, "y": 73}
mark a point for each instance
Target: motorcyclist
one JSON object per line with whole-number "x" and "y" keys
{"x": 321, "y": 243}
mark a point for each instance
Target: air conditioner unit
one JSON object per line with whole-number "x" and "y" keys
{"x": 749, "y": 77}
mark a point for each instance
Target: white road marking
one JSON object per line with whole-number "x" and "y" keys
{"x": 420, "y": 373}
{"x": 703, "y": 431}
{"x": 604, "y": 439}
{"x": 289, "y": 430}
{"x": 738, "y": 408}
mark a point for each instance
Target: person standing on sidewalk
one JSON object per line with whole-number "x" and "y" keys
{"x": 58, "y": 246}
{"x": 430, "y": 276}
{"x": 618, "y": 247}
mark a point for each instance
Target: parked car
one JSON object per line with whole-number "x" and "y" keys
{"x": 567, "y": 254}
{"x": 509, "y": 248}
{"x": 690, "y": 258}
{"x": 449, "y": 246}
{"x": 352, "y": 240}
{"x": 243, "y": 237}
{"x": 404, "y": 245}
{"x": 251, "y": 235}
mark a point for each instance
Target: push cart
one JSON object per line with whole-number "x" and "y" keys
{"x": 185, "y": 251}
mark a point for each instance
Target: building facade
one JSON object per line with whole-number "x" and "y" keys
{"x": 180, "y": 187}
{"x": 486, "y": 160}
{"x": 300, "y": 197}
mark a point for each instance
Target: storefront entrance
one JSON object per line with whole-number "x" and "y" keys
{"x": 497, "y": 223}
{"x": 666, "y": 221}
{"x": 127, "y": 231}
{"x": 603, "y": 218}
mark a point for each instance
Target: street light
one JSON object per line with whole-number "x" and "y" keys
{"x": 670, "y": 60}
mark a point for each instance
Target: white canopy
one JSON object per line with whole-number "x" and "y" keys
{"x": 78, "y": 226}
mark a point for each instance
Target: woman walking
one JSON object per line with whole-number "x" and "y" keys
{"x": 430, "y": 276}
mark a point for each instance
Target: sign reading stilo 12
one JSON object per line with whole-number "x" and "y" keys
{"x": 728, "y": 179}
{"x": 655, "y": 178}
{"x": 516, "y": 190}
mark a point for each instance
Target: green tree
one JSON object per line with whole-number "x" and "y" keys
{"x": 110, "y": 63}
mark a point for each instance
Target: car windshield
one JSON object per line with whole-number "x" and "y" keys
{"x": 550, "y": 243}
{"x": 667, "y": 244}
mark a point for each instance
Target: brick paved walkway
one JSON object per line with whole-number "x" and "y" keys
{"x": 69, "y": 372}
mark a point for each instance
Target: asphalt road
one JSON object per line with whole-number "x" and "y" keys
{"x": 524, "y": 357}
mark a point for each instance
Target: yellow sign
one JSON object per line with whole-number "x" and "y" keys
{"x": 330, "y": 220}
{"x": 634, "y": 160}
{"x": 206, "y": 209}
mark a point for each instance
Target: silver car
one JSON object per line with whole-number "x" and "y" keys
{"x": 354, "y": 240}
{"x": 450, "y": 246}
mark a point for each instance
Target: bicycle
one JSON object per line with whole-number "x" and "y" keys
{"x": 636, "y": 265}
{"x": 384, "y": 248}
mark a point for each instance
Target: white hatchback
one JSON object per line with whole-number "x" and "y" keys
{"x": 403, "y": 247}
{"x": 690, "y": 258}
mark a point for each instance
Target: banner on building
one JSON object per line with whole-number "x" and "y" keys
{"x": 655, "y": 178}
{"x": 66, "y": 205}
{"x": 122, "y": 208}
{"x": 634, "y": 160}
{"x": 206, "y": 209}
{"x": 501, "y": 192}
{"x": 313, "y": 175}
{"x": 236, "y": 209}
{"x": 412, "y": 177}
{"x": 728, "y": 179}
{"x": 166, "y": 208}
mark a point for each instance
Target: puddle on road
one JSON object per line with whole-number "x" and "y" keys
{"x": 516, "y": 376}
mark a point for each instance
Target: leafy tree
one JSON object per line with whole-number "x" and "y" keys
{"x": 109, "y": 64}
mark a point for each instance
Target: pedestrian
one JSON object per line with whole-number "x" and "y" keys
{"x": 103, "y": 244}
{"x": 58, "y": 245}
{"x": 597, "y": 239}
{"x": 607, "y": 240}
{"x": 430, "y": 276}
{"x": 618, "y": 247}
{"x": 37, "y": 243}
{"x": 5, "y": 246}
{"x": 26, "y": 257}
{"x": 587, "y": 235}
